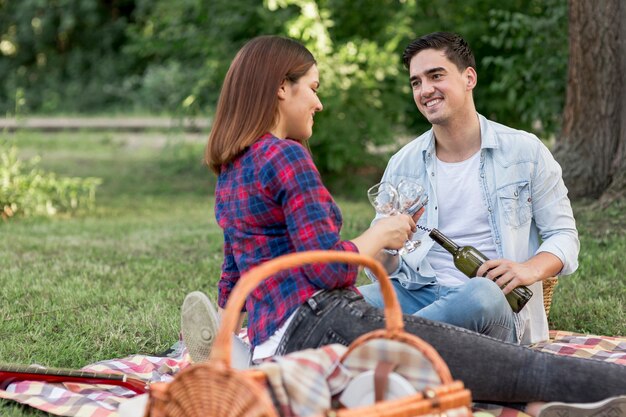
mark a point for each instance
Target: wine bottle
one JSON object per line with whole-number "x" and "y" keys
{"x": 468, "y": 259}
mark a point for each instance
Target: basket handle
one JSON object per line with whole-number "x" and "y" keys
{"x": 221, "y": 350}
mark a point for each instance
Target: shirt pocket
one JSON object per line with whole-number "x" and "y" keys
{"x": 516, "y": 203}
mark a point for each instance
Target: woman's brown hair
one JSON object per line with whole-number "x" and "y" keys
{"x": 248, "y": 103}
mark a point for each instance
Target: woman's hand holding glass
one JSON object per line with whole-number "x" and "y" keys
{"x": 407, "y": 198}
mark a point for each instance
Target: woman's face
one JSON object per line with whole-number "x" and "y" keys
{"x": 297, "y": 104}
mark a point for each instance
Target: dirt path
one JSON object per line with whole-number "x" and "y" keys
{"x": 104, "y": 123}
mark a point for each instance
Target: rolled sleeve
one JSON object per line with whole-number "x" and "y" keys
{"x": 553, "y": 213}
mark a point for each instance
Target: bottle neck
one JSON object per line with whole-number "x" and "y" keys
{"x": 444, "y": 241}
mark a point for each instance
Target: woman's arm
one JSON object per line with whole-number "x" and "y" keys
{"x": 313, "y": 220}
{"x": 389, "y": 232}
{"x": 389, "y": 262}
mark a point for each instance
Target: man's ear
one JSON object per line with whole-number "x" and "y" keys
{"x": 472, "y": 77}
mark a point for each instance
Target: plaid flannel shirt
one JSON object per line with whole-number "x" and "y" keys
{"x": 270, "y": 201}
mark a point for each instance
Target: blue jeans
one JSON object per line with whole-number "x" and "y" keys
{"x": 477, "y": 305}
{"x": 493, "y": 370}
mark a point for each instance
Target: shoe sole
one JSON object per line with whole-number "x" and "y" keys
{"x": 198, "y": 325}
{"x": 611, "y": 407}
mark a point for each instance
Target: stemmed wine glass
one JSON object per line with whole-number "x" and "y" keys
{"x": 411, "y": 198}
{"x": 384, "y": 197}
{"x": 407, "y": 198}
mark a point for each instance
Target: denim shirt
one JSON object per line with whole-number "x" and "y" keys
{"x": 529, "y": 211}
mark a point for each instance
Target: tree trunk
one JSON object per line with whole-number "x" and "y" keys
{"x": 592, "y": 144}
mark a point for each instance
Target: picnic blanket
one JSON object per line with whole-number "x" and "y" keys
{"x": 72, "y": 399}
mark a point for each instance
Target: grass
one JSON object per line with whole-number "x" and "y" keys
{"x": 110, "y": 283}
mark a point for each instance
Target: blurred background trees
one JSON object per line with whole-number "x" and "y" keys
{"x": 169, "y": 57}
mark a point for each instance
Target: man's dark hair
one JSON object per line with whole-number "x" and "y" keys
{"x": 455, "y": 47}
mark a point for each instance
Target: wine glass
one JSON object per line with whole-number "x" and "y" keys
{"x": 384, "y": 199}
{"x": 388, "y": 200}
{"x": 411, "y": 198}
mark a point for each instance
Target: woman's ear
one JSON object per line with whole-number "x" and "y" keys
{"x": 282, "y": 90}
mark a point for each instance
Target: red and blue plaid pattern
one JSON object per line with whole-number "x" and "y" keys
{"x": 270, "y": 201}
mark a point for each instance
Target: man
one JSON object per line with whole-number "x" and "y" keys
{"x": 489, "y": 186}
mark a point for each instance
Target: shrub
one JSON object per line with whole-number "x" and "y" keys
{"x": 26, "y": 190}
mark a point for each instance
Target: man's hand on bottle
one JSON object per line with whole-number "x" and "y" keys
{"x": 513, "y": 274}
{"x": 508, "y": 274}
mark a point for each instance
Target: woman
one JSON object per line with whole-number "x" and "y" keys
{"x": 270, "y": 201}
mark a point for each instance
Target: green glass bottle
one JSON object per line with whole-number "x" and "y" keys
{"x": 468, "y": 259}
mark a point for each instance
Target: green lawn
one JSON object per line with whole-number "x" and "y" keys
{"x": 110, "y": 283}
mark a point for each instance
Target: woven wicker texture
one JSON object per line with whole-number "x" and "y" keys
{"x": 211, "y": 390}
{"x": 548, "y": 290}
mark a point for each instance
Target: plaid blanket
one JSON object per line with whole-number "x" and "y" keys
{"x": 72, "y": 399}
{"x": 604, "y": 348}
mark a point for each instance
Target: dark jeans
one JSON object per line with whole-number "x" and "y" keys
{"x": 493, "y": 370}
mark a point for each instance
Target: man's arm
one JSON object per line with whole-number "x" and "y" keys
{"x": 552, "y": 213}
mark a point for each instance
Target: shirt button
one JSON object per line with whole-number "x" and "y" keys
{"x": 482, "y": 175}
{"x": 489, "y": 208}
{"x": 432, "y": 174}
{"x": 497, "y": 241}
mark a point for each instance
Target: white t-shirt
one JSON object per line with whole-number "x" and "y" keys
{"x": 463, "y": 217}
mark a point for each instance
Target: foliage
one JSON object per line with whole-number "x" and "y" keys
{"x": 26, "y": 190}
{"x": 63, "y": 55}
{"x": 366, "y": 90}
{"x": 170, "y": 56}
{"x": 529, "y": 65}
{"x": 359, "y": 86}
{"x": 191, "y": 42}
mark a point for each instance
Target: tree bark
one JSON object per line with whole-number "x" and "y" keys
{"x": 591, "y": 147}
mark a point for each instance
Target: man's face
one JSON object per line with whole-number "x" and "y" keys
{"x": 440, "y": 90}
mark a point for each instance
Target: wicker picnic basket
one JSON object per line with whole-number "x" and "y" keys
{"x": 215, "y": 389}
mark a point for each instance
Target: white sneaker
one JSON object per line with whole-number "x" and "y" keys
{"x": 610, "y": 407}
{"x": 199, "y": 325}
